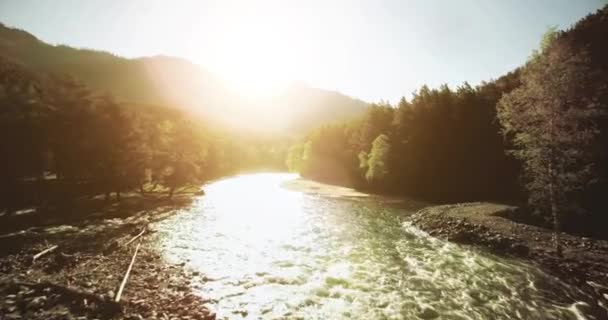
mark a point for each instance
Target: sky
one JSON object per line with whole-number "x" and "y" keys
{"x": 370, "y": 49}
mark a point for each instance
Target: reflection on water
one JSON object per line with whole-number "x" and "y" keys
{"x": 276, "y": 254}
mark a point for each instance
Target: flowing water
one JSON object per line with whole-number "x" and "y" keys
{"x": 271, "y": 253}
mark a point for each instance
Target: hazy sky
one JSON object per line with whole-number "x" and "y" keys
{"x": 369, "y": 49}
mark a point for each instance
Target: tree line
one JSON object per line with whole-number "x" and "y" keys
{"x": 442, "y": 145}
{"x": 59, "y": 141}
{"x": 539, "y": 133}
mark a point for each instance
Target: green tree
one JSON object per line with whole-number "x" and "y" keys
{"x": 118, "y": 147}
{"x": 23, "y": 138}
{"x": 376, "y": 121}
{"x": 294, "y": 160}
{"x": 377, "y": 163}
{"x": 552, "y": 121}
{"x": 186, "y": 154}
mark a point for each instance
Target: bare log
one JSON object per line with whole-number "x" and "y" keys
{"x": 126, "y": 277}
{"x": 43, "y": 252}
{"x": 137, "y": 236}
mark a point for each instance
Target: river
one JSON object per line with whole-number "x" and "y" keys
{"x": 270, "y": 253}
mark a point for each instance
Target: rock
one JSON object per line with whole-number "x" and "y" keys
{"x": 13, "y": 316}
{"x": 520, "y": 249}
{"x": 36, "y": 303}
{"x": 243, "y": 313}
{"x": 460, "y": 236}
{"x": 111, "y": 247}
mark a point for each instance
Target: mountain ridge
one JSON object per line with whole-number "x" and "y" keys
{"x": 179, "y": 83}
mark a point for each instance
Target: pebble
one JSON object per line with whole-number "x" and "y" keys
{"x": 36, "y": 303}
{"x": 13, "y": 316}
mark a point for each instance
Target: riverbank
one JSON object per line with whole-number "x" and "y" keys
{"x": 79, "y": 277}
{"x": 314, "y": 187}
{"x": 585, "y": 261}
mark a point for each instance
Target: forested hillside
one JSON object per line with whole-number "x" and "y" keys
{"x": 178, "y": 83}
{"x": 79, "y": 122}
{"x": 61, "y": 141}
{"x": 443, "y": 145}
{"x": 537, "y": 133}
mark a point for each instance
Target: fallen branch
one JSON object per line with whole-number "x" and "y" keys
{"x": 65, "y": 255}
{"x": 126, "y": 277}
{"x": 137, "y": 236}
{"x": 43, "y": 252}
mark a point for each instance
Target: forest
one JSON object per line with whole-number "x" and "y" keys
{"x": 155, "y": 187}
{"x": 62, "y": 141}
{"x": 537, "y": 135}
{"x": 507, "y": 139}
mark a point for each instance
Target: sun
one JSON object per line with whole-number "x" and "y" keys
{"x": 253, "y": 55}
{"x": 254, "y": 73}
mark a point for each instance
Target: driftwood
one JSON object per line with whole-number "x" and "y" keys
{"x": 65, "y": 255}
{"x": 126, "y": 277}
{"x": 73, "y": 295}
{"x": 43, "y": 252}
{"x": 137, "y": 236}
{"x": 115, "y": 243}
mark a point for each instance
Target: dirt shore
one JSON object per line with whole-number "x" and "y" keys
{"x": 493, "y": 226}
{"x": 314, "y": 187}
{"x": 81, "y": 277}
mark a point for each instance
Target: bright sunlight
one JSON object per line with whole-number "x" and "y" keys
{"x": 256, "y": 55}
{"x": 303, "y": 159}
{"x": 252, "y": 59}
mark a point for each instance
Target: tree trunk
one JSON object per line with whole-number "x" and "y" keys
{"x": 552, "y": 201}
{"x": 141, "y": 189}
{"x": 106, "y": 196}
{"x": 555, "y": 215}
{"x": 118, "y": 195}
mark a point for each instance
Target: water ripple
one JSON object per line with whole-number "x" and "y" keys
{"x": 278, "y": 254}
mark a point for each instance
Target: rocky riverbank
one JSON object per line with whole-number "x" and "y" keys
{"x": 80, "y": 276}
{"x": 585, "y": 260}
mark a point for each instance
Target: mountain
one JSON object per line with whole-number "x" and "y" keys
{"x": 178, "y": 83}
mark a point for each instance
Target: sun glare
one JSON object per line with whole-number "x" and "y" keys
{"x": 256, "y": 54}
